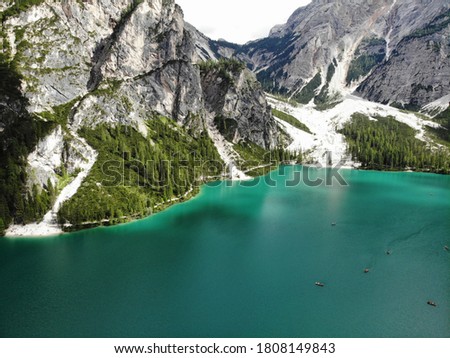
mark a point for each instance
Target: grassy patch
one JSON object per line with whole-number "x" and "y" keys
{"x": 284, "y": 99}
{"x": 440, "y": 135}
{"x": 291, "y": 120}
{"x": 438, "y": 24}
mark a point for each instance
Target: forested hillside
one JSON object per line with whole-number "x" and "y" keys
{"x": 134, "y": 174}
{"x": 387, "y": 144}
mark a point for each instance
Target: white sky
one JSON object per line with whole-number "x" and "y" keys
{"x": 238, "y": 21}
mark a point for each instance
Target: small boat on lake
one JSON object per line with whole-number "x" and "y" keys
{"x": 366, "y": 270}
{"x": 431, "y": 303}
{"x": 320, "y": 284}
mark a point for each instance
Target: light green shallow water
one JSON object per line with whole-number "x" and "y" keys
{"x": 241, "y": 261}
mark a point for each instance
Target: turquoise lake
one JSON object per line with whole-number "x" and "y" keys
{"x": 241, "y": 260}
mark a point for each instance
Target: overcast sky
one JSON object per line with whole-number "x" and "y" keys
{"x": 238, "y": 21}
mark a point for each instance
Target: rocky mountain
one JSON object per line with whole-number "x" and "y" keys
{"x": 395, "y": 51}
{"x": 336, "y": 65}
{"x": 123, "y": 69}
{"x": 419, "y": 66}
{"x": 233, "y": 95}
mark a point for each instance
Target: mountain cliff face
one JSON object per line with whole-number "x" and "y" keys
{"x": 67, "y": 51}
{"x": 98, "y": 65}
{"x": 397, "y": 50}
{"x": 419, "y": 66}
{"x": 237, "y": 101}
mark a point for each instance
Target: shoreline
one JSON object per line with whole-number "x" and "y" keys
{"x": 38, "y": 231}
{"x": 43, "y": 229}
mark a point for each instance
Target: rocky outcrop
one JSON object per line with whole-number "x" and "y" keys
{"x": 237, "y": 102}
{"x": 47, "y": 159}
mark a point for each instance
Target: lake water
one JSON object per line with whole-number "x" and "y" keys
{"x": 242, "y": 260}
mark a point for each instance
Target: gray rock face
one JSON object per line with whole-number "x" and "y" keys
{"x": 144, "y": 71}
{"x": 210, "y": 49}
{"x": 52, "y": 44}
{"x": 326, "y": 32}
{"x": 238, "y": 100}
{"x": 122, "y": 60}
{"x": 311, "y": 39}
{"x": 417, "y": 72}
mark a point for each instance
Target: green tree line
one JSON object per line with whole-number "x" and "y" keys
{"x": 387, "y": 144}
